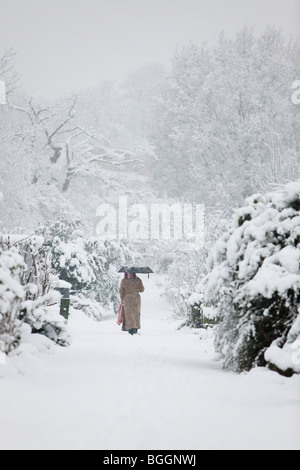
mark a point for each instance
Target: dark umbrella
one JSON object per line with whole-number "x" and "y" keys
{"x": 135, "y": 270}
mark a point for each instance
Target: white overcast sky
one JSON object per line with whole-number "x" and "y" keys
{"x": 65, "y": 45}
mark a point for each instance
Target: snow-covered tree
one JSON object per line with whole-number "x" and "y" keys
{"x": 254, "y": 282}
{"x": 123, "y": 112}
{"x": 54, "y": 163}
{"x": 17, "y": 205}
{"x": 8, "y": 74}
{"x": 227, "y": 126}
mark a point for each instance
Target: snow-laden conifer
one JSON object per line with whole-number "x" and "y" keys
{"x": 254, "y": 280}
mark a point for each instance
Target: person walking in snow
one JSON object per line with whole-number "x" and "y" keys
{"x": 131, "y": 286}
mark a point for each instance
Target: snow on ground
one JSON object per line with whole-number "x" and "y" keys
{"x": 162, "y": 389}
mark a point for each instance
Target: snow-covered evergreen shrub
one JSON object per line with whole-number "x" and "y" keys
{"x": 42, "y": 314}
{"x": 254, "y": 280}
{"x": 12, "y": 294}
{"x": 39, "y": 279}
{"x": 105, "y": 257}
{"x": 71, "y": 260}
{"x": 184, "y": 279}
{"x": 195, "y": 315}
{"x": 27, "y": 293}
{"x": 186, "y": 270}
{"x": 90, "y": 307}
{"x": 89, "y": 264}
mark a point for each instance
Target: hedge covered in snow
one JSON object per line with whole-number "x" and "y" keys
{"x": 89, "y": 264}
{"x": 12, "y": 294}
{"x": 27, "y": 296}
{"x": 254, "y": 282}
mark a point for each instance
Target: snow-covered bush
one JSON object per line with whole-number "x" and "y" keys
{"x": 184, "y": 279}
{"x": 195, "y": 315}
{"x": 89, "y": 264}
{"x": 40, "y": 279}
{"x": 42, "y": 314}
{"x": 254, "y": 281}
{"x": 71, "y": 260}
{"x": 12, "y": 294}
{"x": 27, "y": 293}
{"x": 90, "y": 307}
{"x": 187, "y": 269}
{"x": 105, "y": 257}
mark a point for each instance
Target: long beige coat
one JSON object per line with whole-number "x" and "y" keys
{"x": 131, "y": 301}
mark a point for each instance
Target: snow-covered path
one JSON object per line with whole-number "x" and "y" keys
{"x": 162, "y": 389}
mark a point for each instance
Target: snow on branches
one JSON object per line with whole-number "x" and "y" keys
{"x": 12, "y": 294}
{"x": 254, "y": 280}
{"x": 27, "y": 294}
{"x": 89, "y": 264}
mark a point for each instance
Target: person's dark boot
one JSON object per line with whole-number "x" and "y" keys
{"x": 132, "y": 331}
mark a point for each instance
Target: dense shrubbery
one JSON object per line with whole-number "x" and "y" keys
{"x": 89, "y": 264}
{"x": 184, "y": 279}
{"x": 254, "y": 281}
{"x": 12, "y": 294}
{"x": 27, "y": 294}
{"x": 30, "y": 273}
